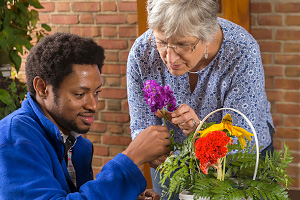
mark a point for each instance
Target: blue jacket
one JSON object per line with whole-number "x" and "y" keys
{"x": 31, "y": 167}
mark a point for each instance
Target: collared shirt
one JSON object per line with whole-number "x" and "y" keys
{"x": 234, "y": 79}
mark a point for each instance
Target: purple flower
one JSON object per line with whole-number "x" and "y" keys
{"x": 158, "y": 97}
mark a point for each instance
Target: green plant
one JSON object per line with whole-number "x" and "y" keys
{"x": 185, "y": 173}
{"x": 12, "y": 96}
{"x": 18, "y": 27}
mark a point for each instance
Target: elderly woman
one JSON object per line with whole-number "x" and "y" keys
{"x": 208, "y": 62}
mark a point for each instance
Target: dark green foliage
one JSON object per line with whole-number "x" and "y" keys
{"x": 18, "y": 26}
{"x": 271, "y": 181}
{"x": 12, "y": 92}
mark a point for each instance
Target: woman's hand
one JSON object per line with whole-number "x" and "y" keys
{"x": 184, "y": 117}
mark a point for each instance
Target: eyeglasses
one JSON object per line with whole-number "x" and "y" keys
{"x": 179, "y": 49}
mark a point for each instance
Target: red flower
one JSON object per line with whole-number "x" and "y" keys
{"x": 210, "y": 148}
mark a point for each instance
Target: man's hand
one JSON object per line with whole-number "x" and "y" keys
{"x": 149, "y": 145}
{"x": 149, "y": 194}
{"x": 155, "y": 163}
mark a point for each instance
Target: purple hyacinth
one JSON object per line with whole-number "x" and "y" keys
{"x": 158, "y": 97}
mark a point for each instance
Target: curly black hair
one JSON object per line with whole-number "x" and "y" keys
{"x": 54, "y": 56}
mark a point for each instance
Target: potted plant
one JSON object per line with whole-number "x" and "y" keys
{"x": 18, "y": 28}
{"x": 210, "y": 165}
{"x": 206, "y": 168}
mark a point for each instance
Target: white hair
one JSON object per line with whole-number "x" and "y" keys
{"x": 182, "y": 18}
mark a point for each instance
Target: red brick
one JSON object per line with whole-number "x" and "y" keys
{"x": 293, "y": 145}
{"x": 123, "y": 81}
{"x": 86, "y": 6}
{"x": 97, "y": 161}
{"x": 115, "y": 128}
{"x": 48, "y": 7}
{"x": 128, "y": 32}
{"x": 287, "y": 59}
{"x": 100, "y": 150}
{"x": 114, "y": 69}
{"x": 114, "y": 105}
{"x": 124, "y": 56}
{"x": 63, "y": 6}
{"x": 293, "y": 20}
{"x": 260, "y": 7}
{"x": 113, "y": 93}
{"x": 132, "y": 19}
{"x": 86, "y": 19}
{"x": 275, "y": 95}
{"x": 277, "y": 119}
{"x": 273, "y": 71}
{"x": 266, "y": 58}
{"x": 292, "y": 71}
{"x": 101, "y": 105}
{"x": 127, "y": 6}
{"x": 116, "y": 140}
{"x": 98, "y": 127}
{"x": 287, "y": 133}
{"x": 287, "y": 109}
{"x": 111, "y": 56}
{"x": 64, "y": 19}
{"x": 292, "y": 122}
{"x": 287, "y": 7}
{"x": 270, "y": 20}
{"x": 109, "y": 6}
{"x": 86, "y": 31}
{"x": 44, "y": 19}
{"x": 110, "y": 19}
{"x": 109, "y": 31}
{"x": 287, "y": 35}
{"x": 261, "y": 33}
{"x": 115, "y": 117}
{"x": 287, "y": 84}
{"x": 292, "y": 96}
{"x": 112, "y": 81}
{"x": 270, "y": 46}
{"x": 115, "y": 150}
{"x": 94, "y": 138}
{"x": 291, "y": 47}
{"x": 113, "y": 44}
{"x": 268, "y": 82}
{"x": 125, "y": 106}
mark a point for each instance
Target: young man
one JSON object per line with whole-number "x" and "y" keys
{"x": 42, "y": 155}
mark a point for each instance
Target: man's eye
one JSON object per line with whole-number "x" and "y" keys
{"x": 98, "y": 92}
{"x": 78, "y": 95}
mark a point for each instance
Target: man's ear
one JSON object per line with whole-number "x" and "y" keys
{"x": 40, "y": 87}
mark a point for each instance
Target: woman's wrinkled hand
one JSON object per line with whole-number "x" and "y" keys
{"x": 183, "y": 117}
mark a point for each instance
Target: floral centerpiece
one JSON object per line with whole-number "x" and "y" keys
{"x": 211, "y": 166}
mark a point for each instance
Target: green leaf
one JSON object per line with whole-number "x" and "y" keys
{"x": 46, "y": 27}
{"x": 5, "y": 97}
{"x": 35, "y": 3}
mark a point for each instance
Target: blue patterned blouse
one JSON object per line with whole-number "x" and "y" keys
{"x": 234, "y": 79}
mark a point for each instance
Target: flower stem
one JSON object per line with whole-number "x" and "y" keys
{"x": 164, "y": 116}
{"x": 224, "y": 168}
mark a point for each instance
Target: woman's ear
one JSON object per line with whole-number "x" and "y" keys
{"x": 40, "y": 87}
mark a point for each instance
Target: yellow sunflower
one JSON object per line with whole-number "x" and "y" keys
{"x": 226, "y": 123}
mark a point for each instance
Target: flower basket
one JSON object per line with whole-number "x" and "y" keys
{"x": 207, "y": 165}
{"x": 246, "y": 176}
{"x": 185, "y": 195}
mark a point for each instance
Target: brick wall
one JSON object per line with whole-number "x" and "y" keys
{"x": 113, "y": 24}
{"x": 276, "y": 27}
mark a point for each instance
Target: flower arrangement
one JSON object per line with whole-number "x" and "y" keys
{"x": 211, "y": 166}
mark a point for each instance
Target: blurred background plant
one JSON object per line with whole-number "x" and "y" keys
{"x": 18, "y": 31}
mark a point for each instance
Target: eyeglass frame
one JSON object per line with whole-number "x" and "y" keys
{"x": 192, "y": 47}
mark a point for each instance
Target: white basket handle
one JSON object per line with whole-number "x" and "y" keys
{"x": 250, "y": 124}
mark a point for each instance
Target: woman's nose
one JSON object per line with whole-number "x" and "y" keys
{"x": 171, "y": 56}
